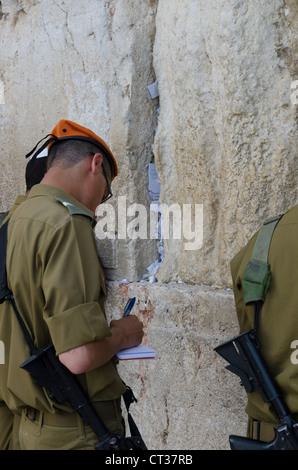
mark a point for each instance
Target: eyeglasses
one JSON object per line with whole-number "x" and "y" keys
{"x": 109, "y": 195}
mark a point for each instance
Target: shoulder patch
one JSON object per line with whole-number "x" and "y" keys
{"x": 74, "y": 210}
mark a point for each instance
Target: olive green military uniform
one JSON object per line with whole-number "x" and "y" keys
{"x": 278, "y": 325}
{"x": 7, "y": 418}
{"x": 54, "y": 274}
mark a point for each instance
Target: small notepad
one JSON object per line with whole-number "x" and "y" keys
{"x": 138, "y": 352}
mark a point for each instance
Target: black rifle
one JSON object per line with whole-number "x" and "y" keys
{"x": 49, "y": 372}
{"x": 246, "y": 361}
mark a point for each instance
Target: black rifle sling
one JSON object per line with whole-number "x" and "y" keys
{"x": 129, "y": 398}
{"x": 5, "y": 294}
{"x": 4, "y": 291}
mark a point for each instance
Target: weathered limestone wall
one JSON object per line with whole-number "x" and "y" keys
{"x": 224, "y": 134}
{"x": 187, "y": 400}
{"x": 227, "y": 131}
{"x": 89, "y": 62}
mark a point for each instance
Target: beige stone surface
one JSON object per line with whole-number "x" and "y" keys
{"x": 227, "y": 131}
{"x": 186, "y": 398}
{"x": 89, "y": 62}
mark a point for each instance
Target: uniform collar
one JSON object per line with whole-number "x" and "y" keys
{"x": 48, "y": 190}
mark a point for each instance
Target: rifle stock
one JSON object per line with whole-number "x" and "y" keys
{"x": 245, "y": 360}
{"x": 242, "y": 443}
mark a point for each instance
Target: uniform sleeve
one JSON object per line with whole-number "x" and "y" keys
{"x": 73, "y": 287}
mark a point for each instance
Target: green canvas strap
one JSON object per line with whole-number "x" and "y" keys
{"x": 257, "y": 276}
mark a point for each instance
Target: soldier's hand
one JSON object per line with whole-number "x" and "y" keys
{"x": 130, "y": 329}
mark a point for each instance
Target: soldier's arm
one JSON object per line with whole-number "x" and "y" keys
{"x": 126, "y": 333}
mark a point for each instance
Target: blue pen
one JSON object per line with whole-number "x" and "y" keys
{"x": 128, "y": 307}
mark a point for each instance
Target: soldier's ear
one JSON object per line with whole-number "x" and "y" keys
{"x": 96, "y": 163}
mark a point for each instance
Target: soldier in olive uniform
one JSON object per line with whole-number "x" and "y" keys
{"x": 55, "y": 276}
{"x": 35, "y": 170}
{"x": 278, "y": 321}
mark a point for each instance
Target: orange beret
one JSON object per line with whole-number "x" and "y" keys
{"x": 68, "y": 130}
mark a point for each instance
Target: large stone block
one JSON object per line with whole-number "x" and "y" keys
{"x": 227, "y": 131}
{"x": 186, "y": 398}
{"x": 89, "y": 62}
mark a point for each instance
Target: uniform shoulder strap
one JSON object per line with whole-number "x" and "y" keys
{"x": 257, "y": 276}
{"x": 74, "y": 210}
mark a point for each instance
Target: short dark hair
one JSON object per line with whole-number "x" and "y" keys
{"x": 35, "y": 170}
{"x": 70, "y": 152}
